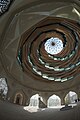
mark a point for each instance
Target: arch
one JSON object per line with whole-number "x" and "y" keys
{"x": 54, "y": 100}
{"x": 71, "y": 97}
{"x": 34, "y": 100}
{"x": 18, "y": 99}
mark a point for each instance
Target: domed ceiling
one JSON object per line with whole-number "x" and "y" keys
{"x": 41, "y": 44}
{"x": 50, "y": 49}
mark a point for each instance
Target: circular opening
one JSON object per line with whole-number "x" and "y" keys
{"x": 53, "y": 46}
{"x": 52, "y": 43}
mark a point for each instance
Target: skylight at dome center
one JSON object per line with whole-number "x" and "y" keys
{"x": 53, "y": 46}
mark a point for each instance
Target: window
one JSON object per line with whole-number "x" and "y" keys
{"x": 34, "y": 100}
{"x": 3, "y": 88}
{"x": 71, "y": 97}
{"x": 4, "y": 5}
{"x": 53, "y": 101}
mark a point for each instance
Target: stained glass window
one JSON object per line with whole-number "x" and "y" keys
{"x": 3, "y": 88}
{"x": 4, "y": 5}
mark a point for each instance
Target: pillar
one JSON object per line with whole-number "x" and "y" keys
{"x": 62, "y": 101}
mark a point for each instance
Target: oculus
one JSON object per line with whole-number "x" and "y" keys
{"x": 53, "y": 46}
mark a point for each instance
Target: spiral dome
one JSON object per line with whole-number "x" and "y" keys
{"x": 50, "y": 49}
{"x": 40, "y": 44}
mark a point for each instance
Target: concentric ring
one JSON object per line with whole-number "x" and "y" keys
{"x": 42, "y": 60}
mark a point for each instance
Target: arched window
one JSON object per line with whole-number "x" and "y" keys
{"x": 34, "y": 100}
{"x": 54, "y": 100}
{"x": 3, "y": 88}
{"x": 71, "y": 97}
{"x": 18, "y": 99}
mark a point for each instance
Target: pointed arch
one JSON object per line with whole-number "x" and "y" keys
{"x": 18, "y": 98}
{"x": 34, "y": 100}
{"x": 54, "y": 100}
{"x": 71, "y": 97}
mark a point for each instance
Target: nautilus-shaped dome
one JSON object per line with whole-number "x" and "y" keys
{"x": 51, "y": 49}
